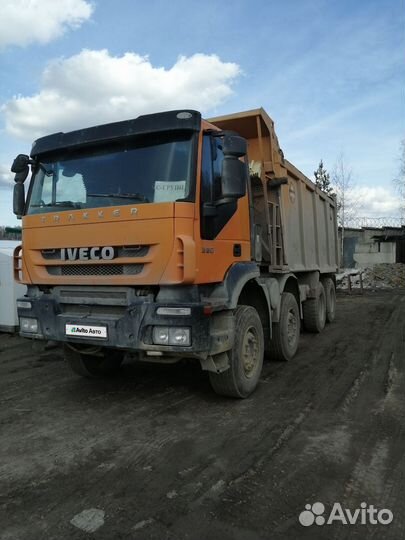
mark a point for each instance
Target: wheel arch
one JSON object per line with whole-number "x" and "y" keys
{"x": 243, "y": 285}
{"x": 291, "y": 286}
{"x": 275, "y": 286}
{"x": 254, "y": 294}
{"x": 226, "y": 294}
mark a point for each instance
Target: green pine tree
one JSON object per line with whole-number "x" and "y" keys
{"x": 322, "y": 179}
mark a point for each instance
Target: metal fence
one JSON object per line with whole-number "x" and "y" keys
{"x": 377, "y": 222}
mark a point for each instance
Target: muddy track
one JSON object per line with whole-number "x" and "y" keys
{"x": 163, "y": 457}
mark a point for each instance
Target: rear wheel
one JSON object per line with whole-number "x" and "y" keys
{"x": 105, "y": 362}
{"x": 330, "y": 293}
{"x": 314, "y": 311}
{"x": 286, "y": 333}
{"x": 245, "y": 357}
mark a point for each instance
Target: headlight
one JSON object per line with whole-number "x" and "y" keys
{"x": 160, "y": 335}
{"x": 29, "y": 325}
{"x": 163, "y": 335}
{"x": 179, "y": 336}
{"x": 24, "y": 304}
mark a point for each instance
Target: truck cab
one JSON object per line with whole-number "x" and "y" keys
{"x": 148, "y": 238}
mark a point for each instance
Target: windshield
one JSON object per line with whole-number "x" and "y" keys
{"x": 154, "y": 171}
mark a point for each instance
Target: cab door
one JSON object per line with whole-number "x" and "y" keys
{"x": 224, "y": 223}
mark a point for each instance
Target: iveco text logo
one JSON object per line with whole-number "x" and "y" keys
{"x": 87, "y": 253}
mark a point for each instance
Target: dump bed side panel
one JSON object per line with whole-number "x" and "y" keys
{"x": 309, "y": 222}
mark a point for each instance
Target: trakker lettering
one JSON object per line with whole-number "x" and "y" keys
{"x": 87, "y": 253}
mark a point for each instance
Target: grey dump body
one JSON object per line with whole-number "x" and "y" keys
{"x": 310, "y": 226}
{"x": 295, "y": 227}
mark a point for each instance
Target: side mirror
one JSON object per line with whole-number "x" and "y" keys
{"x": 234, "y": 172}
{"x": 234, "y": 145}
{"x": 20, "y": 164}
{"x": 19, "y": 199}
{"x": 21, "y": 169}
{"x": 233, "y": 178}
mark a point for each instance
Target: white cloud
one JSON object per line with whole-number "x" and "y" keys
{"x": 94, "y": 87}
{"x": 376, "y": 201}
{"x": 6, "y": 176}
{"x": 29, "y": 21}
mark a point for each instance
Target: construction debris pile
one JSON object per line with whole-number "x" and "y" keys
{"x": 380, "y": 276}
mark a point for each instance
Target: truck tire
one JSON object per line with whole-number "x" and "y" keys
{"x": 314, "y": 311}
{"x": 330, "y": 293}
{"x": 286, "y": 333}
{"x": 90, "y": 366}
{"x": 245, "y": 357}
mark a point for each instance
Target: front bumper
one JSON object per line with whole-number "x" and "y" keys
{"x": 129, "y": 324}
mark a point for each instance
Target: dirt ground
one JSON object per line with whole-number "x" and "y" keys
{"x": 154, "y": 454}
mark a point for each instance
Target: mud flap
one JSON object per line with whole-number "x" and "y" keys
{"x": 216, "y": 364}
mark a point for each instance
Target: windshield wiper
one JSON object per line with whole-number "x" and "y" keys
{"x": 68, "y": 204}
{"x": 137, "y": 196}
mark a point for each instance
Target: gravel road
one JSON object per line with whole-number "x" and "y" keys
{"x": 154, "y": 454}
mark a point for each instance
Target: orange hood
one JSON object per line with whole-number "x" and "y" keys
{"x": 152, "y": 244}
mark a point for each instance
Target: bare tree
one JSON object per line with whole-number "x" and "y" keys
{"x": 399, "y": 180}
{"x": 348, "y": 205}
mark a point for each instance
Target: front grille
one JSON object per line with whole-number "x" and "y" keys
{"x": 92, "y": 311}
{"x": 132, "y": 251}
{"x": 120, "y": 251}
{"x": 90, "y": 293}
{"x": 95, "y": 270}
{"x": 50, "y": 254}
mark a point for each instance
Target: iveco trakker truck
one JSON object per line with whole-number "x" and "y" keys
{"x": 171, "y": 237}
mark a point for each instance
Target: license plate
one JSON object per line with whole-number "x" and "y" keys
{"x": 80, "y": 330}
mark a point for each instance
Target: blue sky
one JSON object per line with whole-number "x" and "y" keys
{"x": 330, "y": 73}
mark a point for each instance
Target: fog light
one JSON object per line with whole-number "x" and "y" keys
{"x": 179, "y": 336}
{"x": 29, "y": 325}
{"x": 24, "y": 304}
{"x": 160, "y": 335}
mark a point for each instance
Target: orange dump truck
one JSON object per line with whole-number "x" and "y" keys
{"x": 168, "y": 237}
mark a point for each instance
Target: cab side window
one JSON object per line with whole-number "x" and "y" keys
{"x": 217, "y": 167}
{"x": 211, "y": 171}
{"x": 206, "y": 171}
{"x": 213, "y": 216}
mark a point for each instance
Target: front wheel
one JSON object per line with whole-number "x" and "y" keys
{"x": 245, "y": 357}
{"x": 106, "y": 362}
